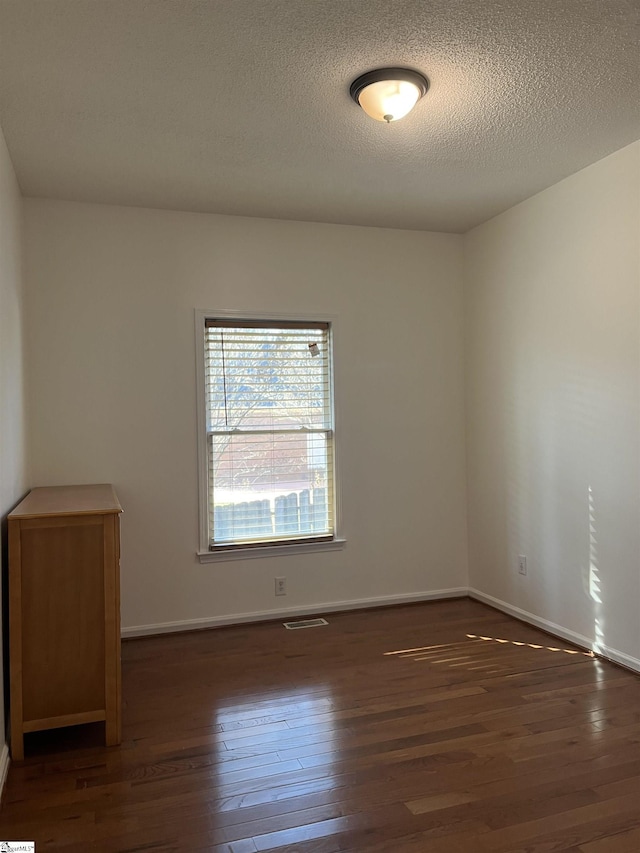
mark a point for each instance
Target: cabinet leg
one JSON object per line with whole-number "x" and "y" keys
{"x": 17, "y": 745}
{"x": 112, "y": 731}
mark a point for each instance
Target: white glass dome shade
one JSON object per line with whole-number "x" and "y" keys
{"x": 389, "y": 94}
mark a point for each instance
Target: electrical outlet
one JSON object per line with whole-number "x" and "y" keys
{"x": 522, "y": 564}
{"x": 281, "y": 586}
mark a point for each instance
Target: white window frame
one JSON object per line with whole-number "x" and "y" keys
{"x": 204, "y": 553}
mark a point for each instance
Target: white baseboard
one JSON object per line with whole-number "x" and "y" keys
{"x": 288, "y": 612}
{"x": 4, "y": 766}
{"x": 558, "y": 630}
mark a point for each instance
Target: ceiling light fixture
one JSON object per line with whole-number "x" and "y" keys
{"x": 388, "y": 94}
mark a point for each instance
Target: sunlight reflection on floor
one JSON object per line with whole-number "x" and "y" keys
{"x": 478, "y": 652}
{"x": 290, "y": 720}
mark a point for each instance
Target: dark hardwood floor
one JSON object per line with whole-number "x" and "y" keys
{"x": 438, "y": 727}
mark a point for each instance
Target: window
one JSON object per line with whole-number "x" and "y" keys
{"x": 269, "y": 433}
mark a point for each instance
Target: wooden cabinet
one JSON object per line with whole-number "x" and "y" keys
{"x": 64, "y": 611}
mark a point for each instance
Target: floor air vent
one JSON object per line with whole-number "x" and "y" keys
{"x": 305, "y": 623}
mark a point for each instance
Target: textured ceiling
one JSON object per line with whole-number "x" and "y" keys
{"x": 242, "y": 106}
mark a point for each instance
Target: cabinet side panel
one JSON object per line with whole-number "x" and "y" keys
{"x": 15, "y": 641}
{"x": 112, "y": 629}
{"x": 62, "y": 619}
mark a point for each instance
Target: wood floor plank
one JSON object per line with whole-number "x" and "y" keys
{"x": 624, "y": 842}
{"x": 438, "y": 728}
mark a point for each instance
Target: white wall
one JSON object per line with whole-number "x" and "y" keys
{"x": 552, "y": 409}
{"x": 111, "y": 297}
{"x": 552, "y": 358}
{"x": 13, "y": 475}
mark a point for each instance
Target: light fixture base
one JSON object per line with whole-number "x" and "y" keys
{"x": 379, "y": 75}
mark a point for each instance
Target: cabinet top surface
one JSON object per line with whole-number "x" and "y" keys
{"x": 68, "y": 500}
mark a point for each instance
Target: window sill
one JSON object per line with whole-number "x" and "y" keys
{"x": 269, "y": 551}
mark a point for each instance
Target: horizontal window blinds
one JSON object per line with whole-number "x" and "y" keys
{"x": 269, "y": 432}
